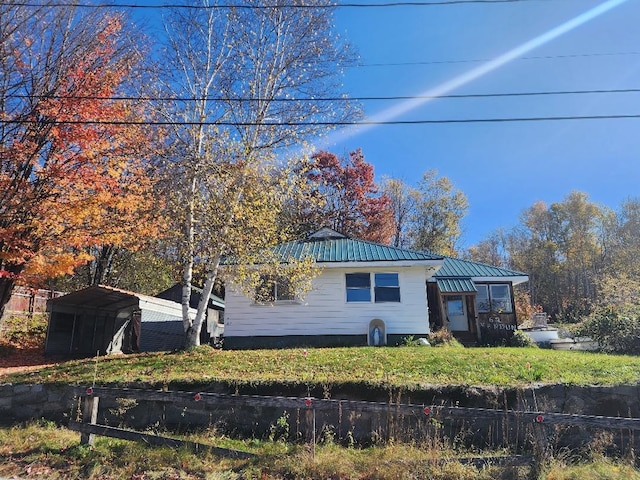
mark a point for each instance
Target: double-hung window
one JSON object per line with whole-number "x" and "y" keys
{"x": 358, "y": 287}
{"x": 494, "y": 298}
{"x": 381, "y": 287}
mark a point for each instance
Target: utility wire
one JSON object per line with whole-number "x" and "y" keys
{"x": 326, "y": 123}
{"x": 275, "y": 5}
{"x": 447, "y": 62}
{"x": 329, "y": 99}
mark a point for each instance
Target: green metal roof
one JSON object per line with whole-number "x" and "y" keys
{"x": 327, "y": 246}
{"x": 456, "y": 285}
{"x": 456, "y": 267}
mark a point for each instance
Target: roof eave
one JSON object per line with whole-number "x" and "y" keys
{"x": 432, "y": 263}
{"x": 515, "y": 280}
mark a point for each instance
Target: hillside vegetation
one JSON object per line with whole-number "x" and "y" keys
{"x": 407, "y": 367}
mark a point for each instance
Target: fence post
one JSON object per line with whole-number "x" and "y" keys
{"x": 311, "y": 425}
{"x": 541, "y": 448}
{"x": 89, "y": 415}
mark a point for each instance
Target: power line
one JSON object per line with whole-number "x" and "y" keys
{"x": 260, "y": 7}
{"x": 331, "y": 99}
{"x": 449, "y": 62}
{"x": 326, "y": 123}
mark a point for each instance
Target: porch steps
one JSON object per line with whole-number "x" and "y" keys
{"x": 468, "y": 339}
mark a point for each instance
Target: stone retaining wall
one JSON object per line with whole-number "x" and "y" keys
{"x": 58, "y": 403}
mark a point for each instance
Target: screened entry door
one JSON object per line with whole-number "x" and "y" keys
{"x": 457, "y": 313}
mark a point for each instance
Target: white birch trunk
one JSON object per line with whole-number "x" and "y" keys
{"x": 193, "y": 335}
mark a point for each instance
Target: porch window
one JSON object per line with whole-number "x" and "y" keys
{"x": 386, "y": 287}
{"x": 494, "y": 297}
{"x": 274, "y": 289}
{"x": 482, "y": 299}
{"x": 500, "y": 298}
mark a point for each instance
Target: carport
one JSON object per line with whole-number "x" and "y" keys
{"x": 102, "y": 320}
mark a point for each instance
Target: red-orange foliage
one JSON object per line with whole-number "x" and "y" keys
{"x": 350, "y": 199}
{"x": 71, "y": 175}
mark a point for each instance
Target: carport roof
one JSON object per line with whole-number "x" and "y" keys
{"x": 103, "y": 297}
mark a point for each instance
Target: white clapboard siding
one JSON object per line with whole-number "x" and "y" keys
{"x": 325, "y": 311}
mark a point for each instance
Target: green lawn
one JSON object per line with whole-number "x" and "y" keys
{"x": 407, "y": 367}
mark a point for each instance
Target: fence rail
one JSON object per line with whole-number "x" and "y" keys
{"x": 541, "y": 423}
{"x": 318, "y": 404}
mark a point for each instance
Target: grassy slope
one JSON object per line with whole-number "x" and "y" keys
{"x": 408, "y": 367}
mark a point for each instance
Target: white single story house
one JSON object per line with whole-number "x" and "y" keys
{"x": 373, "y": 294}
{"x": 366, "y": 293}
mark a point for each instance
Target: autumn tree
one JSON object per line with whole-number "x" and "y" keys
{"x": 70, "y": 166}
{"x": 565, "y": 248}
{"x": 344, "y": 197}
{"x": 259, "y": 77}
{"x": 492, "y": 250}
{"x": 439, "y": 211}
{"x": 403, "y": 200}
{"x": 427, "y": 216}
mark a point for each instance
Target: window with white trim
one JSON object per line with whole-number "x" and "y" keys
{"x": 358, "y": 287}
{"x": 274, "y": 289}
{"x": 385, "y": 286}
{"x": 495, "y": 297}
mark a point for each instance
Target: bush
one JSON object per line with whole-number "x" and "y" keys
{"x": 443, "y": 337}
{"x": 616, "y": 329}
{"x": 521, "y": 339}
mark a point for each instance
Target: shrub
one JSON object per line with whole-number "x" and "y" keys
{"x": 443, "y": 337}
{"x": 616, "y": 329}
{"x": 521, "y": 339}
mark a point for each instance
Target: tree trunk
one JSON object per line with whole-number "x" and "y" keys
{"x": 6, "y": 287}
{"x": 193, "y": 333}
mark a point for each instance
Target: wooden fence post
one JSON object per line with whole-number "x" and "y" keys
{"x": 541, "y": 448}
{"x": 311, "y": 425}
{"x": 89, "y": 415}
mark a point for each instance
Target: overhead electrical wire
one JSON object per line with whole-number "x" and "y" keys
{"x": 448, "y": 62}
{"x": 330, "y": 99}
{"x": 327, "y": 123}
{"x": 275, "y": 5}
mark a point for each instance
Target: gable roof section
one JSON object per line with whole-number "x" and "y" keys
{"x": 328, "y": 246}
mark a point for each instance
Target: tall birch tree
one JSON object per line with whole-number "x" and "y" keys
{"x": 257, "y": 77}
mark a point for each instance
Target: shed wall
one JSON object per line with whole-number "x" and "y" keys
{"x": 160, "y": 331}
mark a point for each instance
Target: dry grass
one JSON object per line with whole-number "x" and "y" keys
{"x": 42, "y": 450}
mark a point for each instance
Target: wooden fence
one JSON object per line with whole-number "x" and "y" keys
{"x": 30, "y": 300}
{"x": 543, "y": 423}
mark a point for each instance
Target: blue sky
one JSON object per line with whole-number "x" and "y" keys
{"x": 503, "y": 168}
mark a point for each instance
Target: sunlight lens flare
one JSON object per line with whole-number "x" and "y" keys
{"x": 473, "y": 74}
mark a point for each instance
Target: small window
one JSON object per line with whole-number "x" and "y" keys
{"x": 274, "y": 289}
{"x": 501, "y": 298}
{"x": 358, "y": 287}
{"x": 494, "y": 298}
{"x": 387, "y": 287}
{"x": 482, "y": 299}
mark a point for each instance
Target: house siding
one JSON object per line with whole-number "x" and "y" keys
{"x": 325, "y": 312}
